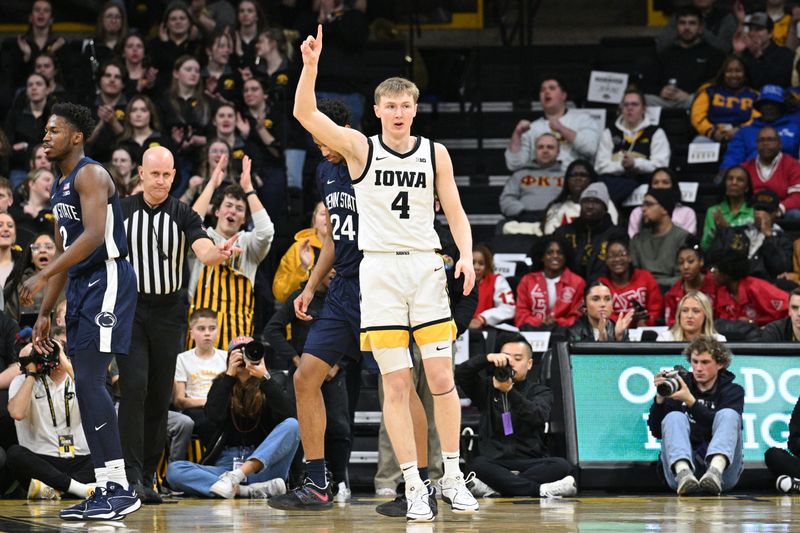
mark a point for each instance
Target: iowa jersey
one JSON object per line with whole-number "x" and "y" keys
{"x": 336, "y": 187}
{"x": 66, "y": 204}
{"x": 395, "y": 198}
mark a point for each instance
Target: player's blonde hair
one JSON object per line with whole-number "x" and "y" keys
{"x": 396, "y": 86}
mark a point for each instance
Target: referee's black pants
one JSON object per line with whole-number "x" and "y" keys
{"x": 145, "y": 379}
{"x": 56, "y": 472}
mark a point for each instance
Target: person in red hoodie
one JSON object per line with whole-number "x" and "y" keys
{"x": 495, "y": 297}
{"x": 692, "y": 278}
{"x": 631, "y": 287}
{"x": 774, "y": 170}
{"x": 743, "y": 297}
{"x": 552, "y": 295}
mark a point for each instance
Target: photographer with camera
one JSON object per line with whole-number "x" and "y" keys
{"x": 52, "y": 456}
{"x": 698, "y": 417}
{"x": 514, "y": 408}
{"x": 257, "y": 433}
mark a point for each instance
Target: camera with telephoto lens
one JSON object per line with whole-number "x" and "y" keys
{"x": 252, "y": 352}
{"x": 671, "y": 385}
{"x": 45, "y": 362}
{"x": 503, "y": 373}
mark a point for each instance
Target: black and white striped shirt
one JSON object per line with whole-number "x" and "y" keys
{"x": 158, "y": 240}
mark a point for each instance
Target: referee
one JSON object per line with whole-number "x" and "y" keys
{"x": 160, "y": 230}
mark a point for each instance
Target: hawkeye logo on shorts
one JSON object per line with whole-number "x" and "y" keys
{"x": 105, "y": 319}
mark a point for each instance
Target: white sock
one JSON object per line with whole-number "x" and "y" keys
{"x": 681, "y": 465}
{"x": 720, "y": 462}
{"x": 101, "y": 476}
{"x": 116, "y": 472}
{"x": 244, "y": 491}
{"x": 411, "y": 474}
{"x": 451, "y": 466}
{"x": 76, "y": 488}
{"x": 238, "y": 476}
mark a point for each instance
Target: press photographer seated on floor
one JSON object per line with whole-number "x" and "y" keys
{"x": 52, "y": 456}
{"x": 514, "y": 408}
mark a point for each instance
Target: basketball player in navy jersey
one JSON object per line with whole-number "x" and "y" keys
{"x": 403, "y": 284}
{"x": 101, "y": 300}
{"x": 335, "y": 333}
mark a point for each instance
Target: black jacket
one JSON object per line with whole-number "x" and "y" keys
{"x": 528, "y": 401}
{"x": 794, "y": 431}
{"x": 773, "y": 67}
{"x": 589, "y": 245}
{"x": 581, "y": 331}
{"x": 725, "y": 395}
{"x": 778, "y": 331}
{"x": 276, "y": 408}
{"x": 275, "y": 330}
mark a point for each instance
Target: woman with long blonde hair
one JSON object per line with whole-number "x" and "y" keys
{"x": 694, "y": 318}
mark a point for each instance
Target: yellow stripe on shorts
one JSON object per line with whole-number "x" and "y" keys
{"x": 377, "y": 339}
{"x": 442, "y": 331}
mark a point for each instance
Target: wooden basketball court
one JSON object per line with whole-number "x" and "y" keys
{"x": 607, "y": 514}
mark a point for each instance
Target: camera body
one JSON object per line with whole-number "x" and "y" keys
{"x": 503, "y": 373}
{"x": 252, "y": 352}
{"x": 671, "y": 385}
{"x": 45, "y": 362}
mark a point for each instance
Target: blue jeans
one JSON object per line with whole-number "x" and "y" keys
{"x": 295, "y": 160}
{"x": 275, "y": 454}
{"x": 726, "y": 439}
{"x": 353, "y": 101}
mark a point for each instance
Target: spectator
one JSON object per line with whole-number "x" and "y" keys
{"x": 35, "y": 257}
{"x": 8, "y": 246}
{"x": 566, "y": 207}
{"x": 692, "y": 278}
{"x": 39, "y": 158}
{"x": 700, "y": 425}
{"x": 744, "y": 297}
{"x": 522, "y": 402}
{"x": 632, "y": 288}
{"x": 766, "y": 62}
{"x": 141, "y": 127}
{"x": 228, "y": 288}
{"x": 781, "y": 19}
{"x": 631, "y": 148}
{"x": 215, "y": 150}
{"x": 298, "y": 261}
{"x": 100, "y": 48}
{"x": 25, "y": 123}
{"x": 9, "y": 369}
{"x": 108, "y": 111}
{"x": 529, "y": 191}
{"x": 52, "y": 456}
{"x": 287, "y": 335}
{"x": 123, "y": 170}
{"x": 589, "y": 234}
{"x": 577, "y": 133}
{"x": 6, "y": 195}
{"x": 177, "y": 37}
{"x": 777, "y": 171}
{"x": 682, "y": 216}
{"x": 341, "y": 71}
{"x": 141, "y": 75}
{"x": 725, "y": 104}
{"x": 733, "y": 210}
{"x": 34, "y": 215}
{"x": 655, "y": 247}
{"x": 222, "y": 83}
{"x": 495, "y": 297}
{"x": 785, "y": 463}
{"x": 694, "y": 319}
{"x": 255, "y": 423}
{"x": 785, "y": 329}
{"x": 719, "y": 26}
{"x": 596, "y": 325}
{"x": 550, "y": 296}
{"x": 250, "y": 20}
{"x": 47, "y": 65}
{"x": 686, "y": 64}
{"x": 774, "y": 113}
{"x": 213, "y": 15}
{"x": 224, "y": 127}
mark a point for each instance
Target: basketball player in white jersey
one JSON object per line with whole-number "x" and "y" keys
{"x": 403, "y": 283}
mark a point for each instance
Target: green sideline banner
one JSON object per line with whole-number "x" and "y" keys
{"x": 613, "y": 394}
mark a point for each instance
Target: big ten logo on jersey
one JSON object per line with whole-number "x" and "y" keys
{"x": 530, "y": 180}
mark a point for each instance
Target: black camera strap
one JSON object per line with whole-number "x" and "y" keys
{"x": 50, "y": 401}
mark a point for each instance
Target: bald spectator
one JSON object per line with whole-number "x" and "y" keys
{"x": 577, "y": 133}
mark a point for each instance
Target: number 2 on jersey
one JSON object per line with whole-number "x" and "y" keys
{"x": 400, "y": 203}
{"x": 343, "y": 228}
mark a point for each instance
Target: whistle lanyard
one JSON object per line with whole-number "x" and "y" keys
{"x": 50, "y": 401}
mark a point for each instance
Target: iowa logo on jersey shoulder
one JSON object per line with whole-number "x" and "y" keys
{"x": 390, "y": 178}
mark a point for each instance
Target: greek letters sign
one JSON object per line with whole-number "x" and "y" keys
{"x": 613, "y": 396}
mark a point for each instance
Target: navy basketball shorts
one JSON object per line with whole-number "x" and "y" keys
{"x": 101, "y": 303}
{"x": 335, "y": 333}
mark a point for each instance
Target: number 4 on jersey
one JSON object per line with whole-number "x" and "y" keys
{"x": 400, "y": 203}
